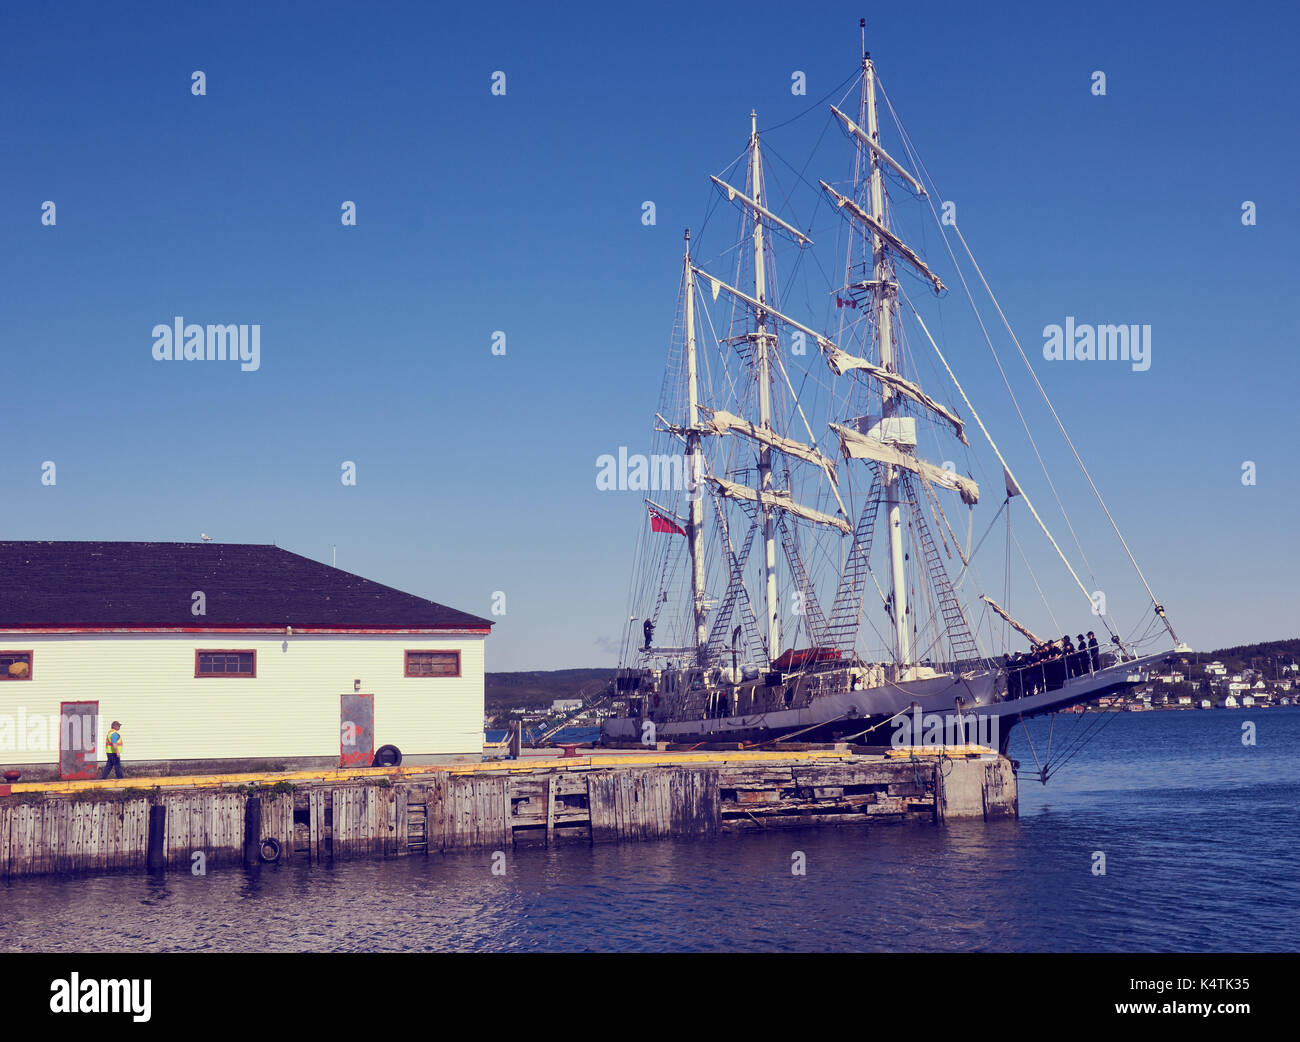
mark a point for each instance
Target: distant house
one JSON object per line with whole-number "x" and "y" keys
{"x": 223, "y": 656}
{"x": 1237, "y": 687}
{"x": 566, "y": 705}
{"x": 1218, "y": 669}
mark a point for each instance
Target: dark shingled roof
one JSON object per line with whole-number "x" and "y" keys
{"x": 152, "y": 585}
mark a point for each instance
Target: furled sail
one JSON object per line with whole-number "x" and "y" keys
{"x": 780, "y": 501}
{"x": 858, "y": 446}
{"x": 895, "y": 243}
{"x": 841, "y": 361}
{"x": 1029, "y": 635}
{"x": 722, "y": 422}
{"x": 735, "y": 193}
{"x": 865, "y": 138}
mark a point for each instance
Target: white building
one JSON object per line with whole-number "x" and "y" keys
{"x": 217, "y": 657}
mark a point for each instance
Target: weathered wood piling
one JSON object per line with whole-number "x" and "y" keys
{"x": 368, "y": 814}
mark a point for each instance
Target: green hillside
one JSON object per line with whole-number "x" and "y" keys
{"x": 537, "y": 689}
{"x": 1264, "y": 657}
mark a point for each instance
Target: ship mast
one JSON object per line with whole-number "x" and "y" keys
{"x": 695, "y": 469}
{"x": 770, "y": 601}
{"x": 884, "y": 290}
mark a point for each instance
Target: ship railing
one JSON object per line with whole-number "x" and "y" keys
{"x": 1050, "y": 674}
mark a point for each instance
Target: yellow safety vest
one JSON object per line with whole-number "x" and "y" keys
{"x": 113, "y": 744}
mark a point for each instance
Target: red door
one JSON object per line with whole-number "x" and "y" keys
{"x": 78, "y": 740}
{"x": 357, "y": 730}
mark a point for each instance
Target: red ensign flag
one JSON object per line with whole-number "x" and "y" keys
{"x": 659, "y": 523}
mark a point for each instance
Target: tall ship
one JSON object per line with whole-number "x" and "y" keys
{"x": 811, "y": 574}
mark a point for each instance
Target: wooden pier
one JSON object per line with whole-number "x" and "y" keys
{"x": 63, "y": 827}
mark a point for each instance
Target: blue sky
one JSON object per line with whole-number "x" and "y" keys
{"x": 522, "y": 213}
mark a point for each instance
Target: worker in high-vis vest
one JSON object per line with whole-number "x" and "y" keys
{"x": 113, "y": 749}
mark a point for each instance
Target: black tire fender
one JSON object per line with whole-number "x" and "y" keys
{"x": 387, "y": 756}
{"x": 270, "y": 849}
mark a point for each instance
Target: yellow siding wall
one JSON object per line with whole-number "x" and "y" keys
{"x": 291, "y": 708}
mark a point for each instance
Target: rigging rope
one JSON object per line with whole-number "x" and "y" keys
{"x": 993, "y": 445}
{"x": 1042, "y": 391}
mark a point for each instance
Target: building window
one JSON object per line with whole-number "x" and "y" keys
{"x": 15, "y": 665}
{"x": 225, "y": 663}
{"x": 433, "y": 663}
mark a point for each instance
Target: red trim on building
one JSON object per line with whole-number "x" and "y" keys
{"x": 249, "y": 629}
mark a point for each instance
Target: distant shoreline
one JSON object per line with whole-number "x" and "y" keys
{"x": 538, "y": 688}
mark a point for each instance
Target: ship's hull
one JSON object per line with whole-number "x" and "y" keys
{"x": 879, "y": 715}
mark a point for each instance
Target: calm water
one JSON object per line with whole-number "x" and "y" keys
{"x": 1199, "y": 834}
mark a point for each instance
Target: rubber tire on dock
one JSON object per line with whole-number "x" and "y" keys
{"x": 273, "y": 845}
{"x": 387, "y": 756}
